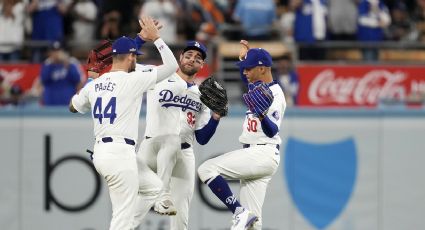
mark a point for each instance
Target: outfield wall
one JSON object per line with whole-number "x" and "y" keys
{"x": 340, "y": 169}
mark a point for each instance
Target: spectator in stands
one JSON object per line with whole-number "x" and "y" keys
{"x": 117, "y": 16}
{"x": 226, "y": 28}
{"x": 84, "y": 14}
{"x": 47, "y": 23}
{"x": 309, "y": 26}
{"x": 401, "y": 24}
{"x": 189, "y": 25}
{"x": 373, "y": 20}
{"x": 10, "y": 93}
{"x": 111, "y": 25}
{"x": 165, "y": 11}
{"x": 16, "y": 95}
{"x": 288, "y": 78}
{"x": 410, "y": 4}
{"x": 60, "y": 77}
{"x": 214, "y": 17}
{"x": 3, "y": 91}
{"x": 12, "y": 15}
{"x": 419, "y": 21}
{"x": 256, "y": 17}
{"x": 286, "y": 22}
{"x": 227, "y": 9}
{"x": 207, "y": 32}
{"x": 342, "y": 20}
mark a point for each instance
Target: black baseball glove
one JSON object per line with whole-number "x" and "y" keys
{"x": 214, "y": 96}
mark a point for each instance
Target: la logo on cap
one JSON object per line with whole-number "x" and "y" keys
{"x": 260, "y": 62}
{"x": 197, "y": 44}
{"x": 132, "y": 50}
{"x": 114, "y": 50}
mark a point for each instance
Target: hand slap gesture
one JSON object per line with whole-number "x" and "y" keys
{"x": 149, "y": 30}
{"x": 244, "y": 49}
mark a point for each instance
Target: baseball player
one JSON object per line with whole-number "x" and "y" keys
{"x": 114, "y": 99}
{"x": 257, "y": 161}
{"x": 175, "y": 117}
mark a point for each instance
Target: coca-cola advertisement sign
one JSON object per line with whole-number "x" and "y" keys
{"x": 364, "y": 85}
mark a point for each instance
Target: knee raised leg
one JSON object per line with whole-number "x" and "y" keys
{"x": 207, "y": 170}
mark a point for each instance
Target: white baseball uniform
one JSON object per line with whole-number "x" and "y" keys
{"x": 260, "y": 153}
{"x": 183, "y": 177}
{"x": 115, "y": 99}
{"x": 161, "y": 146}
{"x": 169, "y": 96}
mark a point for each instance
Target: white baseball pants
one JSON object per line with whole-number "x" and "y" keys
{"x": 116, "y": 163}
{"x": 253, "y": 166}
{"x": 181, "y": 187}
{"x": 150, "y": 187}
{"x": 160, "y": 154}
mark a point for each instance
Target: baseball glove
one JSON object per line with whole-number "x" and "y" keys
{"x": 214, "y": 96}
{"x": 100, "y": 58}
{"x": 259, "y": 99}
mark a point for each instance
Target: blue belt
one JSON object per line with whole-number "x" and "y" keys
{"x": 249, "y": 145}
{"x": 184, "y": 145}
{"x": 127, "y": 140}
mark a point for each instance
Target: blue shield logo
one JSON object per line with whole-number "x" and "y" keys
{"x": 320, "y": 178}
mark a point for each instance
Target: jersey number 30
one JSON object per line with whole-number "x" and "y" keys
{"x": 252, "y": 125}
{"x": 108, "y": 112}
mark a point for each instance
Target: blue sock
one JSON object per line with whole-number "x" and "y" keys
{"x": 222, "y": 190}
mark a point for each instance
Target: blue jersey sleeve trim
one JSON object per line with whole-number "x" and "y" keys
{"x": 204, "y": 135}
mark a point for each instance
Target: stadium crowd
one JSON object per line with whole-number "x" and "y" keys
{"x": 82, "y": 21}
{"x": 29, "y": 28}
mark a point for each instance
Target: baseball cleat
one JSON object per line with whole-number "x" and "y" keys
{"x": 165, "y": 207}
{"x": 243, "y": 219}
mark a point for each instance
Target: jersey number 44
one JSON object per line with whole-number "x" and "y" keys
{"x": 107, "y": 112}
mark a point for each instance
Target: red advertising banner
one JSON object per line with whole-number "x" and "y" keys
{"x": 23, "y": 75}
{"x": 358, "y": 85}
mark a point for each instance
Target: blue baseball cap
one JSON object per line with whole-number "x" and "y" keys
{"x": 125, "y": 45}
{"x": 194, "y": 45}
{"x": 56, "y": 45}
{"x": 256, "y": 57}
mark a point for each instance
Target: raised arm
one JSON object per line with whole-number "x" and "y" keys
{"x": 150, "y": 32}
{"x": 169, "y": 65}
{"x": 139, "y": 40}
{"x": 242, "y": 53}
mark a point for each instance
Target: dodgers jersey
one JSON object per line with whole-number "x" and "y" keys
{"x": 252, "y": 132}
{"x": 195, "y": 116}
{"x": 114, "y": 100}
{"x": 165, "y": 100}
{"x": 174, "y": 100}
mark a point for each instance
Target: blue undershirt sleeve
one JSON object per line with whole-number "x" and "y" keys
{"x": 269, "y": 128}
{"x": 204, "y": 135}
{"x": 139, "y": 42}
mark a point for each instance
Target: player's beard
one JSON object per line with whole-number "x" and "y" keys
{"x": 190, "y": 71}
